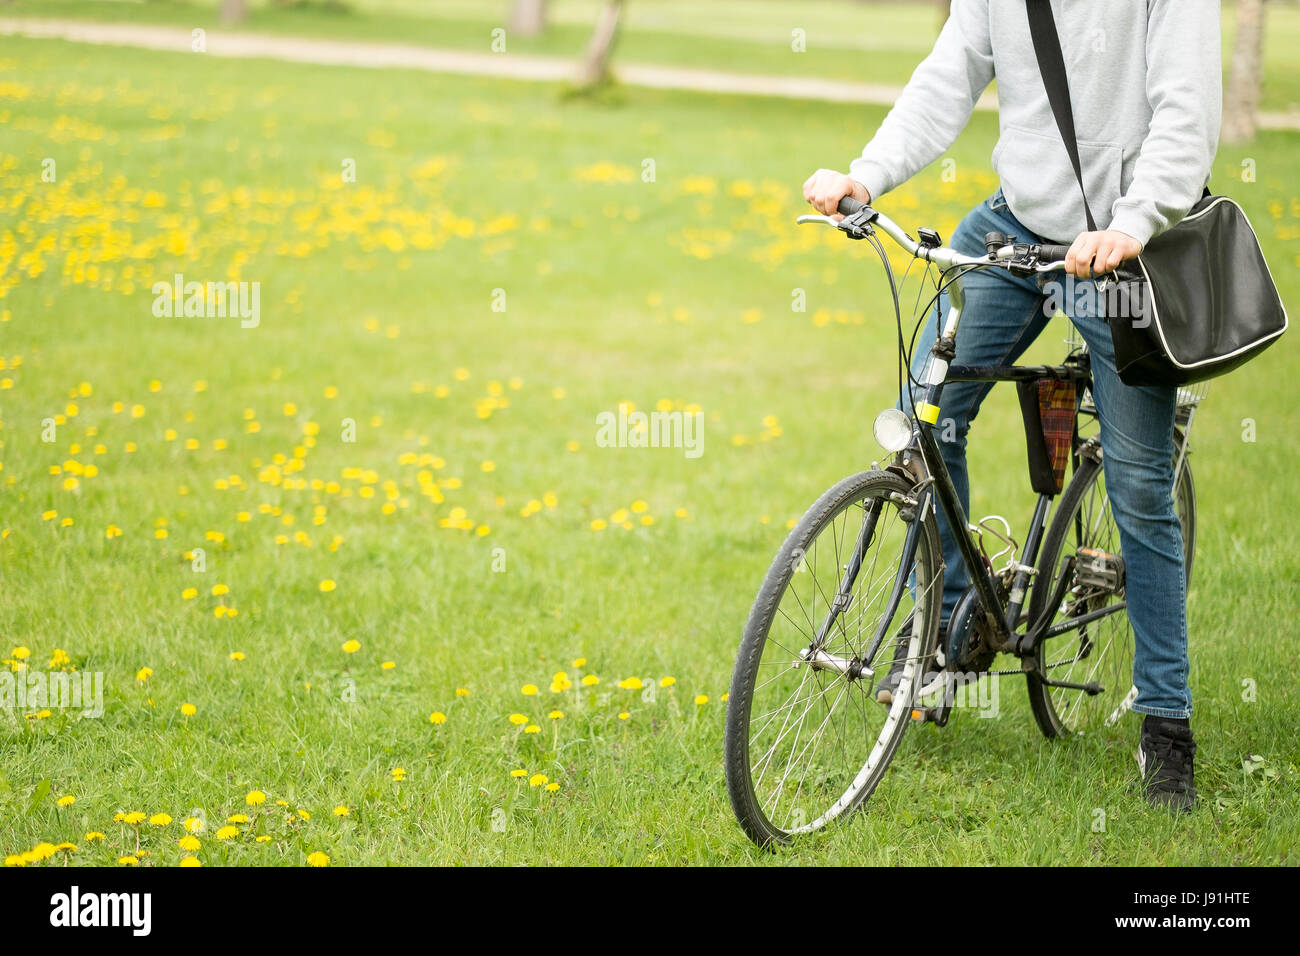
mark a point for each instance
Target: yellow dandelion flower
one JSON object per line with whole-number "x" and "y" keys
{"x": 624, "y": 715}
{"x": 127, "y": 861}
{"x": 189, "y": 710}
{"x": 552, "y": 786}
{"x": 630, "y": 683}
{"x": 518, "y": 719}
{"x": 318, "y": 859}
{"x": 159, "y": 820}
{"x": 134, "y": 818}
{"x": 189, "y": 861}
{"x": 352, "y": 646}
{"x": 398, "y": 773}
{"x": 143, "y": 674}
{"x": 437, "y": 717}
{"x": 227, "y": 833}
{"x": 701, "y": 700}
{"x": 579, "y": 662}
{"x": 532, "y": 729}
{"x": 189, "y": 594}
{"x": 529, "y": 690}
{"x": 66, "y": 801}
{"x": 590, "y": 680}
{"x": 518, "y": 774}
{"x": 237, "y": 655}
{"x": 92, "y": 836}
{"x": 342, "y": 811}
{"x": 189, "y": 843}
{"x": 255, "y": 798}
{"x": 192, "y": 825}
{"x": 327, "y": 585}
{"x": 462, "y": 691}
{"x": 237, "y": 818}
{"x": 538, "y": 780}
{"x": 219, "y": 589}
{"x": 387, "y": 665}
{"x": 667, "y": 681}
{"x": 555, "y": 714}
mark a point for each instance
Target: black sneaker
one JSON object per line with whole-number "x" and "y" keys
{"x": 889, "y": 683}
{"x": 1165, "y": 754}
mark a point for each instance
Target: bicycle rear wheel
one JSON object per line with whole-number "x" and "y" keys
{"x": 806, "y": 741}
{"x": 1100, "y": 651}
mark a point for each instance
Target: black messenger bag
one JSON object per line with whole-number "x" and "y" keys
{"x": 1200, "y": 299}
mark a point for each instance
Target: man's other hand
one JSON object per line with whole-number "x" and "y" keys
{"x": 825, "y": 188}
{"x": 1097, "y": 253}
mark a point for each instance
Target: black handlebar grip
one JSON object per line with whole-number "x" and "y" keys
{"x": 849, "y": 205}
{"x": 1048, "y": 252}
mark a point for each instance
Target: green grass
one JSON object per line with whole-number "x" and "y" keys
{"x": 861, "y": 42}
{"x": 616, "y": 290}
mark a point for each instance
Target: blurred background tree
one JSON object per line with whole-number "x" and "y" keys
{"x": 1246, "y": 81}
{"x": 528, "y": 17}
{"x": 233, "y": 11}
{"x": 594, "y": 70}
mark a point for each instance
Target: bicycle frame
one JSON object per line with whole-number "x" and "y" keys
{"x": 933, "y": 477}
{"x": 923, "y": 464}
{"x": 982, "y": 575}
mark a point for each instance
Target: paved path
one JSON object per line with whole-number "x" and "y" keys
{"x": 515, "y": 66}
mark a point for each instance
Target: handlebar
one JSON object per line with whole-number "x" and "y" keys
{"x": 1053, "y": 251}
{"x": 861, "y": 218}
{"x": 849, "y": 205}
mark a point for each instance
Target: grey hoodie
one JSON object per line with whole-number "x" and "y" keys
{"x": 1145, "y": 86}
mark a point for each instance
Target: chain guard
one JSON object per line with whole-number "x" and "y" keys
{"x": 970, "y": 636}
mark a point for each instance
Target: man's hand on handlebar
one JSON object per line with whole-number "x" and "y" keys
{"x": 1097, "y": 253}
{"x": 825, "y": 188}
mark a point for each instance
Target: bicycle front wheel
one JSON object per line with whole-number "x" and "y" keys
{"x": 1083, "y": 542}
{"x": 806, "y": 741}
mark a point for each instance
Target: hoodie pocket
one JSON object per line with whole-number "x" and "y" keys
{"x": 1039, "y": 183}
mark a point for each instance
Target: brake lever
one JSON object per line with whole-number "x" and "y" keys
{"x": 804, "y": 220}
{"x": 857, "y": 226}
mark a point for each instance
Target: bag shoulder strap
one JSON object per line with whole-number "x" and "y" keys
{"x": 1051, "y": 64}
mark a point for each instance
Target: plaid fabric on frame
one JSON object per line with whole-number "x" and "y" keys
{"x": 1056, "y": 407}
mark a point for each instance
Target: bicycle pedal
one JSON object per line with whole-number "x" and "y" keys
{"x": 1099, "y": 569}
{"x": 930, "y": 715}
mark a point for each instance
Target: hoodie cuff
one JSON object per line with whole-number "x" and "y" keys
{"x": 1132, "y": 221}
{"x": 870, "y": 177}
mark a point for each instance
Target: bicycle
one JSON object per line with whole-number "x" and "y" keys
{"x": 858, "y": 582}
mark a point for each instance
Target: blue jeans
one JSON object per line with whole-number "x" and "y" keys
{"x": 1002, "y": 315}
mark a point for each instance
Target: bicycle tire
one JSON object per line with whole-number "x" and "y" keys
{"x": 754, "y": 809}
{"x": 1046, "y": 706}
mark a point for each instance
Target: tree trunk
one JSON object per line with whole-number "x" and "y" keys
{"x": 233, "y": 11}
{"x": 528, "y": 17}
{"x": 1241, "y": 101}
{"x": 595, "y": 64}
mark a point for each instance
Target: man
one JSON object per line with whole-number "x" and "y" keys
{"x": 1145, "y": 88}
